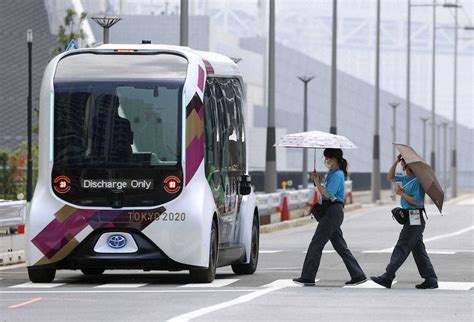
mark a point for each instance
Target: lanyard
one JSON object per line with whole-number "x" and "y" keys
{"x": 408, "y": 182}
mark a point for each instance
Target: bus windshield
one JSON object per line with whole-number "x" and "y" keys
{"x": 117, "y": 123}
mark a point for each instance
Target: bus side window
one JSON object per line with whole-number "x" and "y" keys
{"x": 211, "y": 135}
{"x": 223, "y": 127}
{"x": 239, "y": 102}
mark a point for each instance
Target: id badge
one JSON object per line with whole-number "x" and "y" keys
{"x": 415, "y": 219}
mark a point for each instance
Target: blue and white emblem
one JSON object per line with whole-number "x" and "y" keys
{"x": 117, "y": 241}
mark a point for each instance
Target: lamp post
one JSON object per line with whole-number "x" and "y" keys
{"x": 106, "y": 22}
{"x": 270, "y": 180}
{"x": 408, "y": 72}
{"x": 305, "y": 80}
{"x": 183, "y": 29}
{"x": 375, "y": 180}
{"x": 394, "y": 106}
{"x": 333, "y": 128}
{"x": 29, "y": 171}
{"x": 445, "y": 154}
{"x": 424, "y": 120}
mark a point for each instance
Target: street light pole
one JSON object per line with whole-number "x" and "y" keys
{"x": 376, "y": 147}
{"x": 408, "y": 71}
{"x": 29, "y": 173}
{"x": 305, "y": 80}
{"x": 455, "y": 106}
{"x": 183, "y": 29}
{"x": 106, "y": 22}
{"x": 333, "y": 128}
{"x": 394, "y": 106}
{"x": 424, "y": 120}
{"x": 445, "y": 154}
{"x": 270, "y": 180}
{"x": 433, "y": 91}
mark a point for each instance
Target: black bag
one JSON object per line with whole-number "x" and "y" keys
{"x": 318, "y": 210}
{"x": 400, "y": 215}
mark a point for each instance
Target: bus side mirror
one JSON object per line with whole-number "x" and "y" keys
{"x": 245, "y": 185}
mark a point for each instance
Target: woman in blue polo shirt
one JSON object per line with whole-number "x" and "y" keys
{"x": 412, "y": 198}
{"x": 329, "y": 227}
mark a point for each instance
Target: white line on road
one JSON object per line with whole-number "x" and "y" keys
{"x": 269, "y": 251}
{"x": 465, "y": 286}
{"x": 456, "y": 233}
{"x": 216, "y": 307}
{"x": 36, "y": 285}
{"x": 284, "y": 283}
{"x": 25, "y": 303}
{"x": 324, "y": 251}
{"x": 118, "y": 285}
{"x": 215, "y": 283}
{"x": 141, "y": 291}
{"x": 368, "y": 284}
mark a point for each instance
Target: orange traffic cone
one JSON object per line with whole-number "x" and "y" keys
{"x": 284, "y": 210}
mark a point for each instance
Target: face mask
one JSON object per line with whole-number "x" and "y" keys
{"x": 327, "y": 164}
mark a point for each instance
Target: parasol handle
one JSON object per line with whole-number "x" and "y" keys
{"x": 314, "y": 164}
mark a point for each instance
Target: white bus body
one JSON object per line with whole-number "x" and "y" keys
{"x": 142, "y": 165}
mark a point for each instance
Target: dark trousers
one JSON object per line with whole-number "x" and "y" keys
{"x": 411, "y": 240}
{"x": 329, "y": 229}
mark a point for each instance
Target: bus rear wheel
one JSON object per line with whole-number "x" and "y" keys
{"x": 251, "y": 267}
{"x": 41, "y": 275}
{"x": 207, "y": 275}
{"x": 92, "y": 271}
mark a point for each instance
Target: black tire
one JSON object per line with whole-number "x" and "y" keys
{"x": 41, "y": 275}
{"x": 92, "y": 271}
{"x": 207, "y": 275}
{"x": 251, "y": 267}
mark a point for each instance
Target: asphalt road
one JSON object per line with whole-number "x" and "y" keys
{"x": 269, "y": 294}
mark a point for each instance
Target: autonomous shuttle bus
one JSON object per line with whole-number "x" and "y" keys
{"x": 142, "y": 165}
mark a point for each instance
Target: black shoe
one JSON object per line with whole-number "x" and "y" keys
{"x": 428, "y": 284}
{"x": 357, "y": 280}
{"x": 304, "y": 282}
{"x": 385, "y": 282}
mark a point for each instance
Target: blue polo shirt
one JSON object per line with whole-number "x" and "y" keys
{"x": 335, "y": 185}
{"x": 413, "y": 188}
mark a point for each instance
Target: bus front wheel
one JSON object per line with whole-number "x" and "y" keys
{"x": 251, "y": 267}
{"x": 207, "y": 275}
{"x": 41, "y": 275}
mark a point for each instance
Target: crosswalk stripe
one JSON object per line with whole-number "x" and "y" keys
{"x": 215, "y": 283}
{"x": 36, "y": 285}
{"x": 329, "y": 251}
{"x": 455, "y": 286}
{"x": 119, "y": 285}
{"x": 368, "y": 284}
{"x": 284, "y": 283}
{"x": 269, "y": 251}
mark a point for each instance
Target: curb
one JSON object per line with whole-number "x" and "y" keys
{"x": 265, "y": 229}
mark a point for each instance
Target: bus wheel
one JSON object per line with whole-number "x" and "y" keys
{"x": 92, "y": 271}
{"x": 41, "y": 275}
{"x": 207, "y": 275}
{"x": 251, "y": 267}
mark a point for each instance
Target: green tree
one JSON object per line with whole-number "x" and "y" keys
{"x": 69, "y": 31}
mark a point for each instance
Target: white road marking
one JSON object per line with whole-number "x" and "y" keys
{"x": 118, "y": 285}
{"x": 284, "y": 283}
{"x": 25, "y": 303}
{"x": 456, "y": 233}
{"x": 215, "y": 283}
{"x": 434, "y": 251}
{"x": 368, "y": 284}
{"x": 241, "y": 299}
{"x": 36, "y": 285}
{"x": 441, "y": 252}
{"x": 269, "y": 251}
{"x": 455, "y": 286}
{"x": 324, "y": 251}
{"x": 141, "y": 291}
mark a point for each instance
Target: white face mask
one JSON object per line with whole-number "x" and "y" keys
{"x": 327, "y": 164}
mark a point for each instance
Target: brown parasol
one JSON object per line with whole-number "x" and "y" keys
{"x": 424, "y": 173}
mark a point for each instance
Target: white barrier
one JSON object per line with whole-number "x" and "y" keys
{"x": 12, "y": 213}
{"x": 272, "y": 202}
